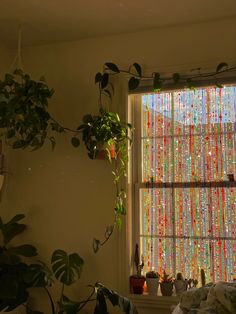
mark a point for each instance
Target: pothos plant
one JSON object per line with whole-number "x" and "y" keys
{"x": 24, "y": 117}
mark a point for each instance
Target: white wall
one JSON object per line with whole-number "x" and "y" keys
{"x": 68, "y": 198}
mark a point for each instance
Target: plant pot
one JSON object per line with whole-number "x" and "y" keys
{"x": 152, "y": 285}
{"x": 166, "y": 288}
{"x": 106, "y": 151}
{"x": 136, "y": 284}
{"x": 180, "y": 286}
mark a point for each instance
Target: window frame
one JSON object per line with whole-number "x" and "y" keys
{"x": 136, "y": 175}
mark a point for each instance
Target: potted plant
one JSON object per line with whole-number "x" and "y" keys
{"x": 180, "y": 284}
{"x": 24, "y": 115}
{"x": 102, "y": 134}
{"x": 152, "y": 280}
{"x": 166, "y": 284}
{"x": 137, "y": 281}
{"x": 66, "y": 270}
{"x": 14, "y": 288}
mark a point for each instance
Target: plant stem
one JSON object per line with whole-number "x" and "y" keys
{"x": 87, "y": 300}
{"x": 51, "y": 300}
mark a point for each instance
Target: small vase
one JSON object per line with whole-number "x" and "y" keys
{"x": 180, "y": 286}
{"x": 166, "y": 288}
{"x": 136, "y": 284}
{"x": 152, "y": 285}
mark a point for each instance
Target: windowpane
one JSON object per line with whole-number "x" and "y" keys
{"x": 157, "y": 160}
{"x": 216, "y": 257}
{"x": 156, "y": 114}
{"x": 158, "y": 254}
{"x": 205, "y": 212}
{"x": 204, "y": 157}
{"x": 156, "y": 212}
{"x": 207, "y": 110}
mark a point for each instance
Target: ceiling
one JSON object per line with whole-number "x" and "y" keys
{"x": 47, "y": 21}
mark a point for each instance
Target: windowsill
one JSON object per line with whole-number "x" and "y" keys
{"x": 154, "y": 302}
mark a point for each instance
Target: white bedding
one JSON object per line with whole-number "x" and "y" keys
{"x": 219, "y": 298}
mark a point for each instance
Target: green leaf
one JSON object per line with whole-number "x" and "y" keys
{"x": 176, "y": 77}
{"x": 113, "y": 67}
{"x": 157, "y": 82}
{"x": 104, "y": 81}
{"x": 15, "y": 219}
{"x": 101, "y": 305}
{"x": 218, "y": 85}
{"x": 133, "y": 83}
{"x": 108, "y": 93}
{"x": 26, "y": 250}
{"x": 75, "y": 141}
{"x": 138, "y": 68}
{"x": 98, "y": 77}
{"x": 221, "y": 66}
{"x": 10, "y": 230}
{"x": 39, "y": 275}
{"x": 66, "y": 267}
{"x": 96, "y": 245}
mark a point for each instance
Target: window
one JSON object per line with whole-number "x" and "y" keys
{"x": 185, "y": 196}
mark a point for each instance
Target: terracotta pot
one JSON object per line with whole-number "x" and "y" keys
{"x": 152, "y": 285}
{"x": 166, "y": 288}
{"x": 136, "y": 284}
{"x": 103, "y": 153}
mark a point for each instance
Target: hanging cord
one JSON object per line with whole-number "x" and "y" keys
{"x": 17, "y": 62}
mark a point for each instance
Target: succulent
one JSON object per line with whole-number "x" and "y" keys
{"x": 166, "y": 278}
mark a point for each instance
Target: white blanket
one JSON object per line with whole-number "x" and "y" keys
{"x": 219, "y": 298}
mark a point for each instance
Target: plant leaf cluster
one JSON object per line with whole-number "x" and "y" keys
{"x": 97, "y": 130}
{"x": 24, "y": 115}
{"x": 13, "y": 270}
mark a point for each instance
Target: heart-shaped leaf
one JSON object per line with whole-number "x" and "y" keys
{"x": 75, "y": 141}
{"x": 138, "y": 68}
{"x": 221, "y": 66}
{"x": 113, "y": 67}
{"x": 133, "y": 83}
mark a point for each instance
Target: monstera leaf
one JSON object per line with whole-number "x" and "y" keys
{"x": 66, "y": 267}
{"x": 39, "y": 275}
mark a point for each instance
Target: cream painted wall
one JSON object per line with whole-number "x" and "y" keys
{"x": 67, "y": 198}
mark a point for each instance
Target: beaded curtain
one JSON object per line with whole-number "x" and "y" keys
{"x": 189, "y": 136}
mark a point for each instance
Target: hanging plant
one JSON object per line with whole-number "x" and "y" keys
{"x": 24, "y": 115}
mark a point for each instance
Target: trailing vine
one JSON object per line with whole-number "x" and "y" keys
{"x": 27, "y": 123}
